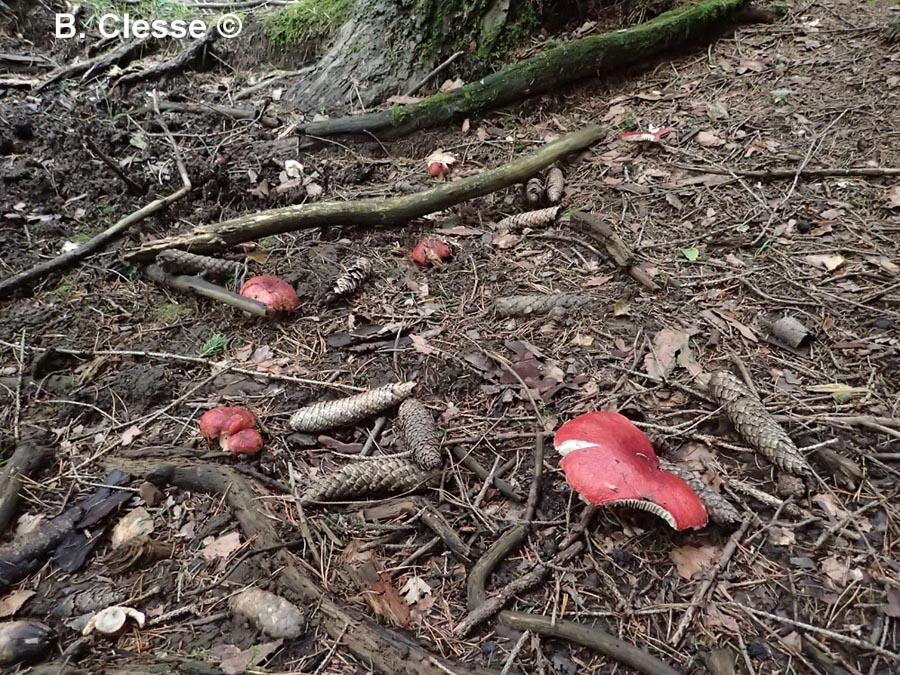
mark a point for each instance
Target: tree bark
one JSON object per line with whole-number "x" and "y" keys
{"x": 548, "y": 70}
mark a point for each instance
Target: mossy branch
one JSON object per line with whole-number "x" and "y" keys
{"x": 370, "y": 212}
{"x": 588, "y": 56}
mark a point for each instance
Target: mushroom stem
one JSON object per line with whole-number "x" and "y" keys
{"x": 205, "y": 289}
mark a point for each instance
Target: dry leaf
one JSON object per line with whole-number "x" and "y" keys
{"x": 715, "y": 618}
{"x": 892, "y": 194}
{"x": 130, "y": 434}
{"x": 826, "y": 262}
{"x": 831, "y": 506}
{"x": 504, "y": 241}
{"x": 692, "y": 559}
{"x": 414, "y": 590}
{"x": 593, "y": 282}
{"x": 840, "y": 572}
{"x": 892, "y": 607}
{"x": 12, "y": 602}
{"x": 135, "y": 526}
{"x": 709, "y": 140}
{"x": 780, "y": 536}
{"x": 235, "y": 661}
{"x": 668, "y": 342}
{"x": 222, "y": 547}
{"x": 582, "y": 340}
{"x": 420, "y": 344}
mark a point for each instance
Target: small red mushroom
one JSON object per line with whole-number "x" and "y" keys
{"x": 276, "y": 294}
{"x": 235, "y": 427}
{"x": 439, "y": 163}
{"x": 430, "y": 252}
{"x": 608, "y": 460}
{"x": 245, "y": 442}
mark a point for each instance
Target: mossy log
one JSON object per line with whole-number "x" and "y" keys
{"x": 370, "y": 212}
{"x": 588, "y": 56}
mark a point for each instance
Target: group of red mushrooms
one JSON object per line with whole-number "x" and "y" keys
{"x": 606, "y": 460}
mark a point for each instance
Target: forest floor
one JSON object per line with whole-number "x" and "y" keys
{"x": 819, "y": 89}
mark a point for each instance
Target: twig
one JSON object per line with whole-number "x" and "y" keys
{"x": 41, "y": 271}
{"x": 809, "y": 153}
{"x": 203, "y": 288}
{"x": 838, "y": 637}
{"x": 425, "y": 80}
{"x": 745, "y": 374}
{"x": 515, "y": 652}
{"x": 133, "y": 186}
{"x": 703, "y": 589}
{"x": 20, "y": 381}
{"x": 472, "y": 464}
{"x": 198, "y": 360}
{"x": 775, "y": 174}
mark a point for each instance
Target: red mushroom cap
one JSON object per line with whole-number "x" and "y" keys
{"x": 609, "y": 460}
{"x": 430, "y": 252}
{"x": 227, "y": 420}
{"x": 276, "y": 294}
{"x": 245, "y": 442}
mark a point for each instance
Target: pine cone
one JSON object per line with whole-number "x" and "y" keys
{"x": 341, "y": 412}
{"x": 725, "y": 387}
{"x": 529, "y": 219}
{"x": 523, "y": 305}
{"x": 755, "y": 425}
{"x": 420, "y": 434}
{"x": 720, "y": 510}
{"x": 365, "y": 479}
{"x": 534, "y": 191}
{"x": 177, "y": 262}
{"x": 556, "y": 183}
{"x": 352, "y": 280}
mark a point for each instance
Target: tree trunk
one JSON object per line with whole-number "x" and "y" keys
{"x": 369, "y": 50}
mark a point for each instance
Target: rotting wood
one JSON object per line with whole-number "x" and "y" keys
{"x": 193, "y": 53}
{"x": 124, "y": 52}
{"x": 226, "y": 111}
{"x": 585, "y": 57}
{"x": 383, "y": 649}
{"x": 621, "y": 254}
{"x": 369, "y": 212}
{"x": 30, "y": 454}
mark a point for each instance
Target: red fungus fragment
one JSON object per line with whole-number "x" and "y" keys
{"x": 430, "y": 252}
{"x": 276, "y": 294}
{"x": 608, "y": 460}
{"x": 235, "y": 427}
{"x": 438, "y": 169}
{"x": 246, "y": 442}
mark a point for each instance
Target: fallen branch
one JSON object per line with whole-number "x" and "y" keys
{"x": 380, "y": 648}
{"x": 617, "y": 249}
{"x": 779, "y": 174}
{"x": 370, "y": 212}
{"x": 589, "y": 636}
{"x": 225, "y": 111}
{"x": 27, "y": 458}
{"x": 196, "y": 52}
{"x": 73, "y": 257}
{"x": 547, "y": 71}
{"x": 205, "y": 289}
{"x": 122, "y": 53}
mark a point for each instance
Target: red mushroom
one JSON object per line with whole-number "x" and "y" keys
{"x": 235, "y": 427}
{"x": 276, "y": 294}
{"x": 608, "y": 460}
{"x": 245, "y": 442}
{"x": 439, "y": 163}
{"x": 430, "y": 252}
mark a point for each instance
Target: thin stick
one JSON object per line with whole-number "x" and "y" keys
{"x": 703, "y": 589}
{"x": 425, "y": 80}
{"x": 20, "y": 381}
{"x": 205, "y": 289}
{"x": 515, "y": 652}
{"x": 777, "y": 174}
{"x": 133, "y": 186}
{"x": 838, "y": 637}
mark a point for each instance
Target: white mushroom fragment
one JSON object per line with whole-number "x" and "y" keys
{"x": 111, "y": 620}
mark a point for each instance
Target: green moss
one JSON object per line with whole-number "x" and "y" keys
{"x": 309, "y": 21}
{"x": 169, "y": 312}
{"x": 61, "y": 290}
